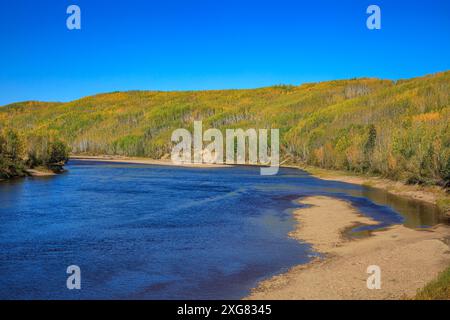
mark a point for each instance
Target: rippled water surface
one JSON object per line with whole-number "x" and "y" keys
{"x": 152, "y": 232}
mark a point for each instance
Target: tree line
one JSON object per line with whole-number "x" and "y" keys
{"x": 19, "y": 153}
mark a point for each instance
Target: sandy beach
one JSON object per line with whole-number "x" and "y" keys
{"x": 40, "y": 173}
{"x": 136, "y": 160}
{"x": 408, "y": 258}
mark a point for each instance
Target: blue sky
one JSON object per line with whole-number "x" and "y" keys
{"x": 212, "y": 44}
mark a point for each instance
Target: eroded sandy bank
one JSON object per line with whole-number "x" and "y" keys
{"x": 408, "y": 258}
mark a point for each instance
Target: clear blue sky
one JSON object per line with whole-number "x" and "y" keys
{"x": 211, "y": 44}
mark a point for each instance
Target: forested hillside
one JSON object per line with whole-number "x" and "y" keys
{"x": 396, "y": 129}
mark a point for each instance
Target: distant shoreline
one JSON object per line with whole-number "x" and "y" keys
{"x": 408, "y": 258}
{"x": 136, "y": 160}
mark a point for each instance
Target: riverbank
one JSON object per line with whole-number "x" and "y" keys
{"x": 137, "y": 160}
{"x": 408, "y": 259}
{"x": 430, "y": 194}
{"x": 38, "y": 172}
{"x": 44, "y": 172}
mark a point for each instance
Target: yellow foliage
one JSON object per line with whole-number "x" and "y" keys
{"x": 426, "y": 117}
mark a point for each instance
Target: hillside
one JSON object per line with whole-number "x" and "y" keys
{"x": 396, "y": 129}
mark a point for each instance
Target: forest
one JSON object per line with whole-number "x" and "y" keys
{"x": 395, "y": 129}
{"x": 17, "y": 153}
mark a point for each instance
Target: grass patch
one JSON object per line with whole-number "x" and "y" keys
{"x": 368, "y": 184}
{"x": 326, "y": 173}
{"x": 444, "y": 204}
{"x": 438, "y": 289}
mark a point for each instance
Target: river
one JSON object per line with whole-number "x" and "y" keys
{"x": 155, "y": 232}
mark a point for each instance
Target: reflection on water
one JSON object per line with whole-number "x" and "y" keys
{"x": 416, "y": 213}
{"x": 151, "y": 232}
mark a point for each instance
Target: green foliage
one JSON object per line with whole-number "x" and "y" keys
{"x": 12, "y": 153}
{"x": 371, "y": 140}
{"x": 17, "y": 153}
{"x": 396, "y": 129}
{"x": 46, "y": 151}
{"x": 445, "y": 173}
{"x": 58, "y": 153}
{"x": 438, "y": 289}
{"x": 13, "y": 146}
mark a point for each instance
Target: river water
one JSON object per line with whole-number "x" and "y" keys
{"x": 154, "y": 232}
